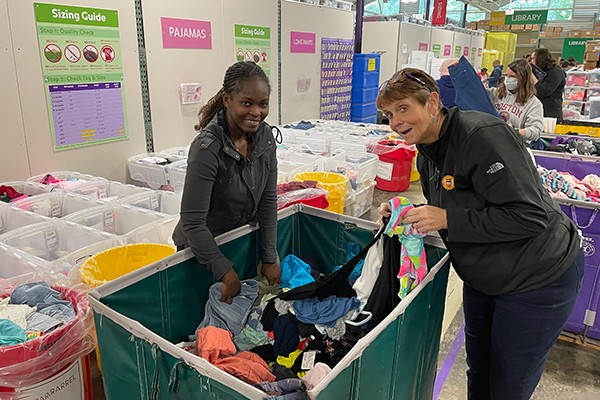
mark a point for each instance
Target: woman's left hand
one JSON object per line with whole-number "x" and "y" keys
{"x": 272, "y": 272}
{"x": 426, "y": 218}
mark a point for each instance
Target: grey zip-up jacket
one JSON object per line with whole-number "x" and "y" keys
{"x": 224, "y": 190}
{"x": 529, "y": 116}
{"x": 505, "y": 233}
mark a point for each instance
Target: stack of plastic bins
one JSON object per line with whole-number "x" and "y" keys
{"x": 311, "y": 161}
{"x": 56, "y": 204}
{"x": 176, "y": 175}
{"x": 127, "y": 222}
{"x": 27, "y": 188}
{"x": 146, "y": 173}
{"x": 69, "y": 179}
{"x": 287, "y": 169}
{"x": 365, "y": 84}
{"x": 159, "y": 201}
{"x": 12, "y": 218}
{"x": 175, "y": 154}
{"x": 58, "y": 246}
{"x": 312, "y": 145}
{"x": 108, "y": 191}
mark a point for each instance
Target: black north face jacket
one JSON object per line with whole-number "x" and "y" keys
{"x": 505, "y": 233}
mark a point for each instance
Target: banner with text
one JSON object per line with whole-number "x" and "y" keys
{"x": 526, "y": 17}
{"x": 438, "y": 16}
{"x": 253, "y": 43}
{"x": 336, "y": 78}
{"x": 80, "y": 53}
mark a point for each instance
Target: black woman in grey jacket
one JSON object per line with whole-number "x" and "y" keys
{"x": 231, "y": 177}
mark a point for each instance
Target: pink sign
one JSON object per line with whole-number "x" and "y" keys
{"x": 423, "y": 46}
{"x": 303, "y": 42}
{"x": 447, "y": 49}
{"x": 185, "y": 33}
{"x": 479, "y": 51}
{"x": 465, "y": 51}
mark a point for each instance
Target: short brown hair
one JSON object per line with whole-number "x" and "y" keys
{"x": 407, "y": 83}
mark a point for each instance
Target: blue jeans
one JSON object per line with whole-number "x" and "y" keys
{"x": 509, "y": 337}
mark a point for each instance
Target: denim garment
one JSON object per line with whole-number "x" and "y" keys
{"x": 38, "y": 322}
{"x": 470, "y": 93}
{"x": 34, "y": 294}
{"x": 62, "y": 312}
{"x": 326, "y": 311}
{"x": 283, "y": 386}
{"x": 447, "y": 92}
{"x": 294, "y": 272}
{"x": 231, "y": 317}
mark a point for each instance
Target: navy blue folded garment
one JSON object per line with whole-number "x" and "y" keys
{"x": 470, "y": 93}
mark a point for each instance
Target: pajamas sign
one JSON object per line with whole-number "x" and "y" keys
{"x": 80, "y": 53}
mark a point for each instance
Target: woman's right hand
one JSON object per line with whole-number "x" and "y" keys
{"x": 230, "y": 286}
{"x": 384, "y": 211}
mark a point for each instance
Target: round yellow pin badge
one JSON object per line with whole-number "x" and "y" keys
{"x": 448, "y": 182}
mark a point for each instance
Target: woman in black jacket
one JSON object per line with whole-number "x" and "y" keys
{"x": 550, "y": 86}
{"x": 517, "y": 253}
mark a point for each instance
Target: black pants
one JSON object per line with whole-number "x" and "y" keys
{"x": 509, "y": 337}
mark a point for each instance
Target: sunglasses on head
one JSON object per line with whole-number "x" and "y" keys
{"x": 409, "y": 76}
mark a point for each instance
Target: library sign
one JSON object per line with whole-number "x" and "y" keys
{"x": 526, "y": 17}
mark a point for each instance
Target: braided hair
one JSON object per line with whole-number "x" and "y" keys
{"x": 232, "y": 82}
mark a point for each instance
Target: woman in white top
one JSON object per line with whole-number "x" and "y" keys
{"x": 515, "y": 100}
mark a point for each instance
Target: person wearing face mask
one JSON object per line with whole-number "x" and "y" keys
{"x": 518, "y": 254}
{"x": 515, "y": 101}
{"x": 231, "y": 177}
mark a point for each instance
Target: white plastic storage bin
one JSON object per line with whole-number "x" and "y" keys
{"x": 174, "y": 154}
{"x": 27, "y": 188}
{"x": 352, "y": 144}
{"x": 116, "y": 219}
{"x": 15, "y": 266}
{"x": 176, "y": 175}
{"x": 361, "y": 200}
{"x": 311, "y": 161}
{"x": 594, "y": 107}
{"x": 287, "y": 169}
{"x": 159, "y": 201}
{"x": 312, "y": 145}
{"x": 56, "y": 204}
{"x": 69, "y": 179}
{"x": 58, "y": 246}
{"x": 160, "y": 232}
{"x": 107, "y": 191}
{"x": 146, "y": 173}
{"x": 12, "y": 218}
{"x": 357, "y": 167}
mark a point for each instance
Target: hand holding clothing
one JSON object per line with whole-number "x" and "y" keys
{"x": 271, "y": 271}
{"x": 427, "y": 218}
{"x": 230, "y": 286}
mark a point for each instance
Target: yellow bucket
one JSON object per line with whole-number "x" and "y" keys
{"x": 118, "y": 261}
{"x": 335, "y": 184}
{"x": 414, "y": 172}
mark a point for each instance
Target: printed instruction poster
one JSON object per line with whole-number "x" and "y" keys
{"x": 253, "y": 43}
{"x": 336, "y": 78}
{"x": 80, "y": 52}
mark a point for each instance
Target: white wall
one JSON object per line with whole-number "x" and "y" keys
{"x": 173, "y": 123}
{"x": 325, "y": 22}
{"x": 477, "y": 42}
{"x": 29, "y": 104}
{"x": 382, "y": 37}
{"x": 411, "y": 36}
{"x": 463, "y": 41}
{"x": 442, "y": 37}
{"x": 13, "y": 151}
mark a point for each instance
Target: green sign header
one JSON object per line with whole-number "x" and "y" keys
{"x": 71, "y": 15}
{"x": 249, "y": 31}
{"x": 527, "y": 17}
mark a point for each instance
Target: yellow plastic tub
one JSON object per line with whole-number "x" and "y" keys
{"x": 335, "y": 184}
{"x": 118, "y": 261}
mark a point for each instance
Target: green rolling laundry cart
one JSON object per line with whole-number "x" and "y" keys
{"x": 141, "y": 315}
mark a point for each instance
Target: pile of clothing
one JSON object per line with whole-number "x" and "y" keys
{"x": 65, "y": 184}
{"x": 569, "y": 144}
{"x": 306, "y": 192}
{"x": 285, "y": 339}
{"x": 566, "y": 186}
{"x": 8, "y": 194}
{"x": 31, "y": 311}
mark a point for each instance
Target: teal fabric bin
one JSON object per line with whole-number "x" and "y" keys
{"x": 141, "y": 315}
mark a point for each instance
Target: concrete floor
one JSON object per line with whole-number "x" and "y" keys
{"x": 572, "y": 371}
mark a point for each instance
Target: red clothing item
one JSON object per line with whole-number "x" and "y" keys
{"x": 216, "y": 346}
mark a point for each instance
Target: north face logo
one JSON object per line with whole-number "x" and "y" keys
{"x": 494, "y": 168}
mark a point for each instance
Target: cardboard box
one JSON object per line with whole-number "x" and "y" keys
{"x": 587, "y": 33}
{"x": 506, "y": 27}
{"x": 533, "y": 41}
{"x": 592, "y": 56}
{"x": 528, "y": 27}
{"x": 590, "y": 65}
{"x": 558, "y": 29}
{"x": 543, "y": 34}
{"x": 573, "y": 34}
{"x": 592, "y": 46}
{"x": 517, "y": 27}
{"x": 535, "y": 27}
